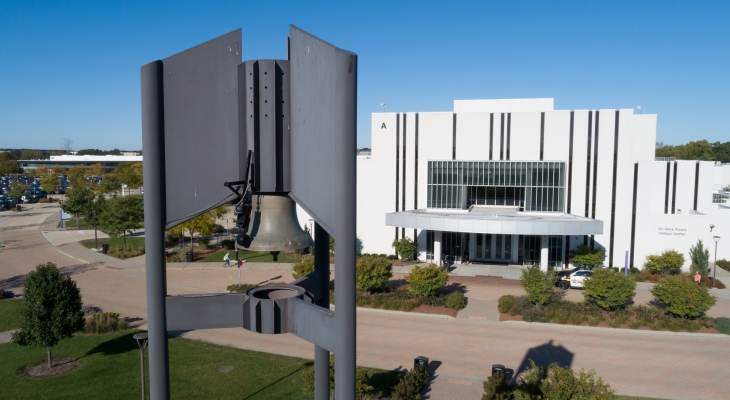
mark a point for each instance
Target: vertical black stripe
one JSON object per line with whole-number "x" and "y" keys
{"x": 588, "y": 163}
{"x": 403, "y": 182}
{"x": 566, "y": 247}
{"x": 397, "y": 165}
{"x": 542, "y": 133}
{"x": 595, "y": 176}
{"x": 570, "y": 164}
{"x": 415, "y": 179}
{"x": 633, "y": 213}
{"x": 613, "y": 191}
{"x": 453, "y": 139}
{"x": 491, "y": 134}
{"x": 674, "y": 189}
{"x": 501, "y": 139}
{"x": 697, "y": 181}
{"x": 509, "y": 131}
{"x": 666, "y": 190}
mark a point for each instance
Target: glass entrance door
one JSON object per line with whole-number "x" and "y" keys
{"x": 489, "y": 247}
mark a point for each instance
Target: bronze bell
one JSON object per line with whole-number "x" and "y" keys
{"x": 274, "y": 225}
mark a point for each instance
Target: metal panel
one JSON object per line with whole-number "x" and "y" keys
{"x": 205, "y": 311}
{"x": 202, "y": 142}
{"x": 312, "y": 323}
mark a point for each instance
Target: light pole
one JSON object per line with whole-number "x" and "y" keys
{"x": 141, "y": 339}
{"x": 714, "y": 270}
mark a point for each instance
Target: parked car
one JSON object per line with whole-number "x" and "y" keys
{"x": 574, "y": 278}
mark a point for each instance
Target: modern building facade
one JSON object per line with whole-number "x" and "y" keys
{"x": 108, "y": 162}
{"x": 515, "y": 181}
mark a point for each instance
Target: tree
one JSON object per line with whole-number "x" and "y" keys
{"x": 95, "y": 170}
{"x": 77, "y": 198}
{"x": 538, "y": 284}
{"x": 584, "y": 256}
{"x": 49, "y": 182}
{"x": 92, "y": 214}
{"x": 121, "y": 216}
{"x": 700, "y": 258}
{"x": 202, "y": 224}
{"x": 110, "y": 183}
{"x": 405, "y": 247}
{"x": 668, "y": 261}
{"x": 8, "y": 165}
{"x": 76, "y": 174}
{"x": 52, "y": 309}
{"x": 609, "y": 289}
{"x": 130, "y": 174}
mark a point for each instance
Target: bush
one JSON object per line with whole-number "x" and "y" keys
{"x": 373, "y": 272}
{"x": 204, "y": 241}
{"x": 584, "y": 256}
{"x": 724, "y": 264}
{"x": 172, "y": 238}
{"x": 609, "y": 289}
{"x": 538, "y": 284}
{"x": 504, "y": 304}
{"x": 228, "y": 244}
{"x": 556, "y": 382}
{"x": 700, "y": 258}
{"x": 405, "y": 247}
{"x": 241, "y": 288}
{"x": 427, "y": 280}
{"x": 303, "y": 268}
{"x": 410, "y": 385}
{"x": 683, "y": 297}
{"x": 456, "y": 301}
{"x": 497, "y": 387}
{"x": 392, "y": 257}
{"x": 670, "y": 261}
{"x": 124, "y": 254}
{"x": 104, "y": 322}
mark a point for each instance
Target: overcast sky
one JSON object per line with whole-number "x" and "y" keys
{"x": 70, "y": 70}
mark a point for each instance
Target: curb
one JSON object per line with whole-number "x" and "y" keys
{"x": 621, "y": 330}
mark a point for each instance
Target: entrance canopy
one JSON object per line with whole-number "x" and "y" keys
{"x": 495, "y": 220}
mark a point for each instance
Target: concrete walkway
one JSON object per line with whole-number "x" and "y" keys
{"x": 6, "y": 336}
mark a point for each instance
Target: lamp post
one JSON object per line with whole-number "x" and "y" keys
{"x": 714, "y": 270}
{"x": 141, "y": 339}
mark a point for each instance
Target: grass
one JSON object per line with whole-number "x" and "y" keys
{"x": 135, "y": 246}
{"x": 249, "y": 256}
{"x": 71, "y": 224}
{"x": 10, "y": 311}
{"x": 723, "y": 325}
{"x": 110, "y": 370}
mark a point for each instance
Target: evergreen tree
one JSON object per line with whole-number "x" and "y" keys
{"x": 700, "y": 258}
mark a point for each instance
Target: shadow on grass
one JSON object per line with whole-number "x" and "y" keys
{"x": 118, "y": 345}
{"x": 300, "y": 369}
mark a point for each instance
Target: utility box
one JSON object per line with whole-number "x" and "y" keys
{"x": 421, "y": 363}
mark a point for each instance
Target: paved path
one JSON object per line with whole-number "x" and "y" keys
{"x": 655, "y": 364}
{"x": 7, "y": 335}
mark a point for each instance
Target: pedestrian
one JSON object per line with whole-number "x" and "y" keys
{"x": 698, "y": 278}
{"x": 227, "y": 259}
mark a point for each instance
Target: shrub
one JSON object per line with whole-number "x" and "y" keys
{"x": 2, "y": 294}
{"x": 669, "y": 261}
{"x": 538, "y": 284}
{"x": 456, "y": 301}
{"x": 556, "y": 382}
{"x": 405, "y": 247}
{"x": 373, "y": 272}
{"x": 585, "y": 256}
{"x": 427, "y": 280}
{"x": 362, "y": 379}
{"x": 497, "y": 387}
{"x": 303, "y": 268}
{"x": 700, "y": 258}
{"x": 204, "y": 241}
{"x": 392, "y": 257}
{"x": 683, "y": 297}
{"x": 519, "y": 304}
{"x": 724, "y": 264}
{"x": 241, "y": 288}
{"x": 609, "y": 289}
{"x": 228, "y": 244}
{"x": 504, "y": 304}
{"x": 104, "y": 322}
{"x": 534, "y": 313}
{"x": 647, "y": 276}
{"x": 410, "y": 385}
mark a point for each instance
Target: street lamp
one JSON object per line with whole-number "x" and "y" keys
{"x": 141, "y": 339}
{"x": 714, "y": 270}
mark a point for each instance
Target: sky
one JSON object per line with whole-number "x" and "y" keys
{"x": 69, "y": 70}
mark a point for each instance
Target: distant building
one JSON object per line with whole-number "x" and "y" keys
{"x": 67, "y": 161}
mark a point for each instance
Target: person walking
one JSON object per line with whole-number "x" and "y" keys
{"x": 698, "y": 278}
{"x": 227, "y": 259}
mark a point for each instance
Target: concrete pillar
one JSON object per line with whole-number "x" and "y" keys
{"x": 515, "y": 249}
{"x": 544, "y": 253}
{"x": 437, "y": 247}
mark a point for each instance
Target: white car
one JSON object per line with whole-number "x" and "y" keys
{"x": 575, "y": 279}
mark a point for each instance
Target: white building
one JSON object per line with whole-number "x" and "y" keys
{"x": 108, "y": 162}
{"x": 515, "y": 181}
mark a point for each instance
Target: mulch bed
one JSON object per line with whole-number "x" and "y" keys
{"x": 60, "y": 366}
{"x": 602, "y": 324}
{"x": 424, "y": 309}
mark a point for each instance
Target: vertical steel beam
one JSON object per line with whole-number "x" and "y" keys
{"x": 322, "y": 272}
{"x": 153, "y": 142}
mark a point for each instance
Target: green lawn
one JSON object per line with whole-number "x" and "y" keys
{"x": 71, "y": 224}
{"x": 249, "y": 256}
{"x": 10, "y": 310}
{"x": 133, "y": 243}
{"x": 723, "y": 325}
{"x": 110, "y": 370}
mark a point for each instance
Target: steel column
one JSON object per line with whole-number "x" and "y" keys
{"x": 322, "y": 271}
{"x": 153, "y": 142}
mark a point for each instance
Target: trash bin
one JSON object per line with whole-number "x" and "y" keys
{"x": 421, "y": 363}
{"x": 104, "y": 248}
{"x": 188, "y": 257}
{"x": 18, "y": 207}
{"x": 498, "y": 369}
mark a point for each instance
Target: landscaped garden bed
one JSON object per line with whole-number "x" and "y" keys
{"x": 134, "y": 246}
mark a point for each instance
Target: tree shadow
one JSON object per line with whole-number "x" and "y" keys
{"x": 454, "y": 287}
{"x": 78, "y": 269}
{"x": 16, "y": 281}
{"x": 304, "y": 365}
{"x": 118, "y": 345}
{"x": 545, "y": 355}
